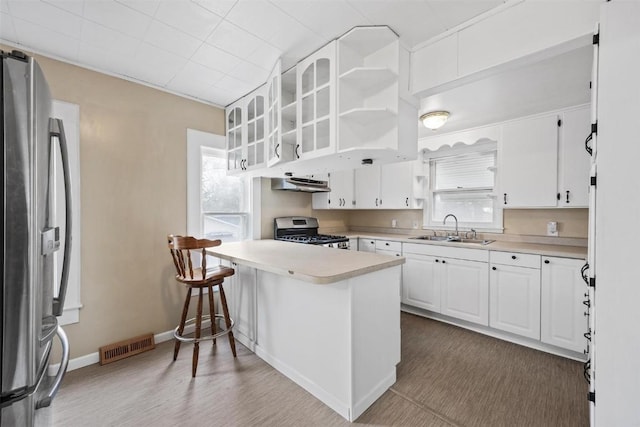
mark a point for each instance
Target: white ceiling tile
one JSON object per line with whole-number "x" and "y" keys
{"x": 47, "y": 16}
{"x": 189, "y": 17}
{"x": 453, "y": 13}
{"x": 148, "y": 7}
{"x": 168, "y": 38}
{"x": 329, "y": 18}
{"x": 250, "y": 73}
{"x": 105, "y": 38}
{"x": 195, "y": 75}
{"x": 74, "y": 6}
{"x": 155, "y": 65}
{"x": 294, "y": 35}
{"x": 4, "y": 8}
{"x": 101, "y": 59}
{"x": 264, "y": 55}
{"x": 413, "y": 20}
{"x": 7, "y": 30}
{"x": 231, "y": 84}
{"x": 259, "y": 17}
{"x": 117, "y": 17}
{"x": 215, "y": 58}
{"x": 219, "y": 95}
{"x": 45, "y": 40}
{"x": 219, "y": 7}
{"x": 233, "y": 39}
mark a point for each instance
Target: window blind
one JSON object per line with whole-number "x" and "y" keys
{"x": 464, "y": 172}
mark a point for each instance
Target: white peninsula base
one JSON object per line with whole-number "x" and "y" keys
{"x": 340, "y": 342}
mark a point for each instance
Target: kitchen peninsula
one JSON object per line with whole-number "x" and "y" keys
{"x": 328, "y": 319}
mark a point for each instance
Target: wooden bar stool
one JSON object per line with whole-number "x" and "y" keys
{"x": 199, "y": 278}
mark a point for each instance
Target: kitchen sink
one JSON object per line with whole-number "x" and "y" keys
{"x": 454, "y": 239}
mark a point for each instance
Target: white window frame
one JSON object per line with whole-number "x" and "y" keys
{"x": 197, "y": 141}
{"x": 497, "y": 225}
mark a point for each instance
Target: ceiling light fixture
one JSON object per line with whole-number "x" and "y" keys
{"x": 434, "y": 119}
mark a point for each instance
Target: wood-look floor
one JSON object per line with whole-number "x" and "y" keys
{"x": 448, "y": 377}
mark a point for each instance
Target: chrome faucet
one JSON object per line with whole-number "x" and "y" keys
{"x": 444, "y": 221}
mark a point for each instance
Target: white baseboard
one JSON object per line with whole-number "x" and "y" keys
{"x": 93, "y": 358}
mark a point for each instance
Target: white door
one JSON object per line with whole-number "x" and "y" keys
{"x": 465, "y": 290}
{"x": 515, "y": 300}
{"x": 529, "y": 162}
{"x": 274, "y": 118}
{"x": 562, "y": 318}
{"x": 341, "y": 184}
{"x": 420, "y": 282}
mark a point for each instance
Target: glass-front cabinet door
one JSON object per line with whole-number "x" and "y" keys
{"x": 316, "y": 103}
{"x": 256, "y": 126}
{"x": 235, "y": 121}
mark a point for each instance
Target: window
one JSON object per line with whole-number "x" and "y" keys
{"x": 218, "y": 205}
{"x": 463, "y": 185}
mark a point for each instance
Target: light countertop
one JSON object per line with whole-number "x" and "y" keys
{"x": 310, "y": 263}
{"x": 576, "y": 252}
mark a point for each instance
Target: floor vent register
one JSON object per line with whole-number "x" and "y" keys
{"x": 126, "y": 348}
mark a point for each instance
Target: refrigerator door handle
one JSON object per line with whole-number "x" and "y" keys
{"x": 56, "y": 129}
{"x": 47, "y": 396}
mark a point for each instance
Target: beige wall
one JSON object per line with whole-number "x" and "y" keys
{"x": 133, "y": 181}
{"x": 533, "y": 222}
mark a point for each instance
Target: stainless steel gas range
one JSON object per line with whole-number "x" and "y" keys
{"x": 302, "y": 229}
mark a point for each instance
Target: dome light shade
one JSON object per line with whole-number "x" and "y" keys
{"x": 434, "y": 119}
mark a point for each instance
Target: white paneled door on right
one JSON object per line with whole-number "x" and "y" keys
{"x": 465, "y": 290}
{"x": 420, "y": 282}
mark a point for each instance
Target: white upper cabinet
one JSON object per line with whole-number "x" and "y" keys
{"x": 574, "y": 161}
{"x": 316, "y": 87}
{"x": 390, "y": 186}
{"x": 279, "y": 148}
{"x": 246, "y": 132}
{"x": 519, "y": 31}
{"x": 341, "y": 195}
{"x": 528, "y": 159}
{"x": 372, "y": 113}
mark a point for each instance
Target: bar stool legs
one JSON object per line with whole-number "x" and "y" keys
{"x": 227, "y": 320}
{"x": 178, "y": 333}
{"x": 183, "y": 319}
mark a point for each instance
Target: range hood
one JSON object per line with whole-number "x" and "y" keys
{"x": 300, "y": 184}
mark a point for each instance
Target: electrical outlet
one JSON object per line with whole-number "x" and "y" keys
{"x": 415, "y": 225}
{"x": 394, "y": 223}
{"x": 552, "y": 228}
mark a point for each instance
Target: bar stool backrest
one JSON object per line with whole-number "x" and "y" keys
{"x": 181, "y": 247}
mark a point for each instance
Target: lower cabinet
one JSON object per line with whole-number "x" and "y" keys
{"x": 366, "y": 245}
{"x": 444, "y": 284}
{"x": 563, "y": 291}
{"x": 514, "y": 286}
{"x": 420, "y": 283}
{"x": 464, "y": 290}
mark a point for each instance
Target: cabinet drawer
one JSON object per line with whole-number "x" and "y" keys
{"x": 515, "y": 259}
{"x": 446, "y": 251}
{"x": 387, "y": 245}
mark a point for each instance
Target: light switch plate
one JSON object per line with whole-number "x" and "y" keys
{"x": 552, "y": 228}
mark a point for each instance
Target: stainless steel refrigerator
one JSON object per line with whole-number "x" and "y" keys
{"x": 31, "y": 141}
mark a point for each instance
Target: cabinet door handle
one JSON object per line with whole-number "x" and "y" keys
{"x": 513, "y": 257}
{"x": 443, "y": 261}
{"x": 276, "y": 150}
{"x": 297, "y": 154}
{"x": 493, "y": 268}
{"x": 376, "y": 201}
{"x": 505, "y": 198}
{"x": 567, "y": 196}
{"x": 406, "y": 202}
{"x": 546, "y": 261}
{"x": 387, "y": 244}
{"x": 437, "y": 260}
